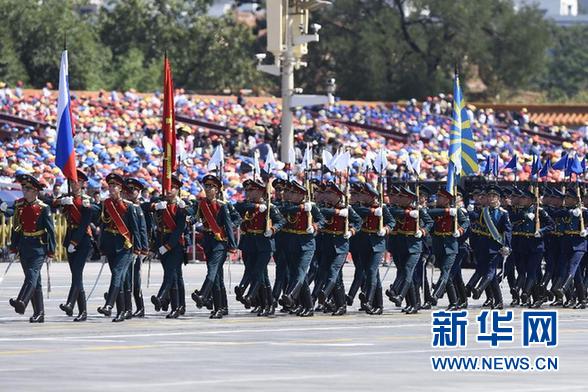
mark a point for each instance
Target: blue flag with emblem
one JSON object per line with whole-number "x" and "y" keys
{"x": 455, "y": 138}
{"x": 513, "y": 163}
{"x": 562, "y": 164}
{"x": 574, "y": 167}
{"x": 536, "y": 166}
{"x": 495, "y": 165}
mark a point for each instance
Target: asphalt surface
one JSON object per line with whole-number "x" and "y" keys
{"x": 243, "y": 352}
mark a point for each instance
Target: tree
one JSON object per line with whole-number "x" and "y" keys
{"x": 395, "y": 49}
{"x": 567, "y": 70}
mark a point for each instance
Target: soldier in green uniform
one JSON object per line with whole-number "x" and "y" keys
{"x": 450, "y": 224}
{"x": 261, "y": 220}
{"x": 120, "y": 243}
{"x": 79, "y": 212}
{"x": 33, "y": 239}
{"x": 218, "y": 240}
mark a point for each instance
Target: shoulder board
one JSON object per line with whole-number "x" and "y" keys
{"x": 464, "y": 210}
{"x": 222, "y": 202}
{"x": 41, "y": 203}
{"x": 128, "y": 202}
{"x": 19, "y": 202}
{"x": 502, "y": 209}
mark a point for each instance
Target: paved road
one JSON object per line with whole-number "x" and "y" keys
{"x": 246, "y": 353}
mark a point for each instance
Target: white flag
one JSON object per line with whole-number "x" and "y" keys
{"x": 327, "y": 158}
{"x": 307, "y": 158}
{"x": 270, "y": 161}
{"x": 381, "y": 162}
{"x": 217, "y": 160}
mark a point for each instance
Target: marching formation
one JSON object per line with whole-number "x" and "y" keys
{"x": 530, "y": 235}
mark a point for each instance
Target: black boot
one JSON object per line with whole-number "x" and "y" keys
{"x": 38, "y": 307}
{"x": 156, "y": 301}
{"x": 378, "y": 307}
{"x": 70, "y": 302}
{"x": 217, "y": 313}
{"x": 20, "y": 305}
{"x": 200, "y": 296}
{"x": 515, "y": 296}
{"x": 174, "y": 304}
{"x": 140, "y": 312}
{"x": 120, "y": 308}
{"x": 462, "y": 301}
{"x": 452, "y": 296}
{"x": 128, "y": 305}
{"x": 412, "y": 293}
{"x": 82, "y": 307}
{"x": 111, "y": 297}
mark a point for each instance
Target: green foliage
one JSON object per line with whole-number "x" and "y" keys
{"x": 567, "y": 69}
{"x": 400, "y": 49}
{"x": 376, "y": 49}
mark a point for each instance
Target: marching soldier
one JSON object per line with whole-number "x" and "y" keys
{"x": 356, "y": 198}
{"x": 261, "y": 220}
{"x": 33, "y": 238}
{"x": 494, "y": 242}
{"x": 552, "y": 203}
{"x": 281, "y": 277}
{"x": 414, "y": 224}
{"x": 79, "y": 213}
{"x": 341, "y": 223}
{"x": 132, "y": 286}
{"x": 120, "y": 234}
{"x": 573, "y": 248}
{"x": 446, "y": 233}
{"x": 303, "y": 219}
{"x": 217, "y": 241}
{"x": 377, "y": 224}
{"x": 530, "y": 225}
{"x": 170, "y": 217}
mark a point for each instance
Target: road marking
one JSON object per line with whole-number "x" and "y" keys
{"x": 226, "y": 380}
{"x": 108, "y": 348}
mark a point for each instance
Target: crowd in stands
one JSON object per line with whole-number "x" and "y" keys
{"x": 121, "y": 131}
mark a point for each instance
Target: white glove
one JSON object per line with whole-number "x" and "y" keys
{"x": 66, "y": 201}
{"x": 11, "y": 257}
{"x": 456, "y": 234}
{"x": 381, "y": 232}
{"x": 262, "y": 208}
{"x": 198, "y": 225}
{"x": 537, "y": 234}
{"x": 576, "y": 212}
{"x": 347, "y": 235}
{"x": 268, "y": 233}
{"x": 470, "y": 208}
{"x": 378, "y": 211}
{"x": 344, "y": 212}
{"x": 310, "y": 230}
{"x": 414, "y": 214}
{"x": 49, "y": 260}
{"x": 418, "y": 233}
{"x": 162, "y": 205}
{"x": 3, "y": 206}
{"x": 308, "y": 206}
{"x": 584, "y": 233}
{"x": 505, "y": 251}
{"x": 162, "y": 250}
{"x": 530, "y": 216}
{"x": 181, "y": 203}
{"x": 452, "y": 211}
{"x": 71, "y": 248}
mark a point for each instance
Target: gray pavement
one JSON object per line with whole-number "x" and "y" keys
{"x": 243, "y": 352}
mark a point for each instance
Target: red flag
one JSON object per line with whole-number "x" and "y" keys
{"x": 168, "y": 125}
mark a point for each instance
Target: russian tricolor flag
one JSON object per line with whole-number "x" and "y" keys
{"x": 65, "y": 155}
